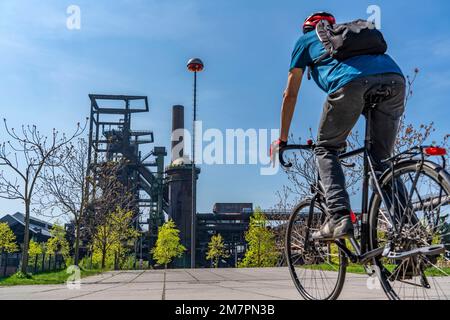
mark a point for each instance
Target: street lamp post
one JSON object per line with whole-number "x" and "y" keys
{"x": 194, "y": 65}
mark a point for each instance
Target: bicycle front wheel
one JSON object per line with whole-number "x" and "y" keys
{"x": 415, "y": 225}
{"x": 317, "y": 268}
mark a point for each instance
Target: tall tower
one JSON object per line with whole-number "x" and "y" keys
{"x": 113, "y": 138}
{"x": 179, "y": 178}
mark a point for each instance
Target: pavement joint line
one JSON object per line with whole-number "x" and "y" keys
{"x": 117, "y": 286}
{"x": 111, "y": 275}
{"x": 195, "y": 278}
{"x": 217, "y": 274}
{"x": 164, "y": 288}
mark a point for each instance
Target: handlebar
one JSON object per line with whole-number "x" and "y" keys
{"x": 309, "y": 147}
{"x": 285, "y": 164}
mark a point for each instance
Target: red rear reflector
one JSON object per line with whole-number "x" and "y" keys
{"x": 435, "y": 151}
{"x": 353, "y": 217}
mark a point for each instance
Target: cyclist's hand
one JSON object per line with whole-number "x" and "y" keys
{"x": 275, "y": 149}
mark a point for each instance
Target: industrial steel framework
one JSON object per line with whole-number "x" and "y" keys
{"x": 111, "y": 137}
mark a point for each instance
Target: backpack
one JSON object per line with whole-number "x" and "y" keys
{"x": 348, "y": 40}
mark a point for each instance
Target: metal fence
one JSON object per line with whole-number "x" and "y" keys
{"x": 10, "y": 263}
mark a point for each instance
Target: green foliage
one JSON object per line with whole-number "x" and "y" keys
{"x": 69, "y": 261}
{"x": 112, "y": 239}
{"x": 216, "y": 250}
{"x": 168, "y": 245}
{"x": 7, "y": 239}
{"x": 34, "y": 249}
{"x": 262, "y": 250}
{"x": 103, "y": 260}
{"x": 58, "y": 242}
{"x": 127, "y": 262}
{"x": 85, "y": 262}
{"x": 56, "y": 277}
{"x": 20, "y": 275}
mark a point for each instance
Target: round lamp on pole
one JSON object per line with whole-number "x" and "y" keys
{"x": 194, "y": 65}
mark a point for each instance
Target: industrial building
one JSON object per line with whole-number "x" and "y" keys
{"x": 231, "y": 221}
{"x": 39, "y": 230}
{"x": 161, "y": 189}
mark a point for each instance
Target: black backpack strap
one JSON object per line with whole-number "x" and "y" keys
{"x": 322, "y": 35}
{"x": 316, "y": 62}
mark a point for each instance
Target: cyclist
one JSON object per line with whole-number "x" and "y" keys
{"x": 348, "y": 84}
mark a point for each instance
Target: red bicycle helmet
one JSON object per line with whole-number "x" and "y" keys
{"x": 312, "y": 21}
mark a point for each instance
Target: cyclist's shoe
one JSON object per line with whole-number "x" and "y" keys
{"x": 336, "y": 228}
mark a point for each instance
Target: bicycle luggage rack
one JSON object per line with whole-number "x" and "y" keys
{"x": 423, "y": 151}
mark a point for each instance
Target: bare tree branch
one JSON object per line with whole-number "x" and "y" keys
{"x": 22, "y": 159}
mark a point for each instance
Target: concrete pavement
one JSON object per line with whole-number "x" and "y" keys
{"x": 201, "y": 284}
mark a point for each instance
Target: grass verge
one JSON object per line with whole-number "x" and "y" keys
{"x": 57, "y": 277}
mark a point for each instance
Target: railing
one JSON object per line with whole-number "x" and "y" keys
{"x": 10, "y": 263}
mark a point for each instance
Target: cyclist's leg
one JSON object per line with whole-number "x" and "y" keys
{"x": 386, "y": 118}
{"x": 341, "y": 112}
{"x": 384, "y": 129}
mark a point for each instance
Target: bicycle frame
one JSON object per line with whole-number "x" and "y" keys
{"x": 363, "y": 255}
{"x": 387, "y": 197}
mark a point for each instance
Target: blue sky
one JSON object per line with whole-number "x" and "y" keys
{"x": 141, "y": 47}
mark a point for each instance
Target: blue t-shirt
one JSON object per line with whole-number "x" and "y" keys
{"x": 330, "y": 74}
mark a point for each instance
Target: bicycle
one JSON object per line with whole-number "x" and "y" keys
{"x": 404, "y": 228}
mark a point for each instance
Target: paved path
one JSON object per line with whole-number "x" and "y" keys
{"x": 201, "y": 284}
{"x": 204, "y": 284}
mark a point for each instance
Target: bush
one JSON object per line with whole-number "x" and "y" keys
{"x": 21, "y": 275}
{"x": 69, "y": 262}
{"x": 85, "y": 263}
{"x": 128, "y": 263}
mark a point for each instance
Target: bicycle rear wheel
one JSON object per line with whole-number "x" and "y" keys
{"x": 419, "y": 199}
{"x": 317, "y": 268}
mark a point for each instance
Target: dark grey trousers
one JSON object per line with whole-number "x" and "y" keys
{"x": 341, "y": 113}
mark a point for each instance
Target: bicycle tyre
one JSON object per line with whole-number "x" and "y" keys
{"x": 406, "y": 286}
{"x": 301, "y": 272}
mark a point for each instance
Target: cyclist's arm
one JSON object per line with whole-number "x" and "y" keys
{"x": 289, "y": 101}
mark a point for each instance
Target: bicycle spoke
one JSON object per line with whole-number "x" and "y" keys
{"x": 315, "y": 265}
{"x": 421, "y": 212}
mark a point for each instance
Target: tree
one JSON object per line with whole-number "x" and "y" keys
{"x": 35, "y": 249}
{"x": 168, "y": 244}
{"x": 7, "y": 239}
{"x": 262, "y": 249}
{"x": 24, "y": 156}
{"x": 64, "y": 187}
{"x": 112, "y": 236}
{"x": 58, "y": 242}
{"x": 216, "y": 250}
{"x": 106, "y": 196}
{"x": 122, "y": 223}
